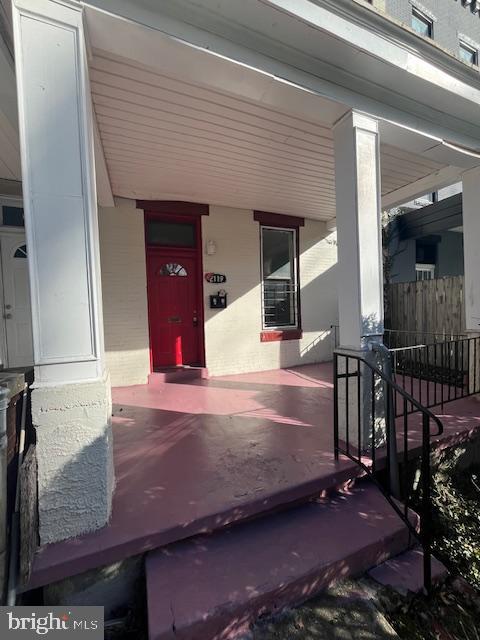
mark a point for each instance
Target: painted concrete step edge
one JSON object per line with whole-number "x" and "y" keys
{"x": 405, "y": 572}
{"x": 213, "y": 587}
{"x": 177, "y": 375}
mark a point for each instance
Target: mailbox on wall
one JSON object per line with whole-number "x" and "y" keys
{"x": 218, "y": 300}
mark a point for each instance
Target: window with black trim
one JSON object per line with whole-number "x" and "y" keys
{"x": 279, "y": 277}
{"x": 421, "y": 23}
{"x": 468, "y": 53}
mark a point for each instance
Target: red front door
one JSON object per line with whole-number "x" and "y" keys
{"x": 173, "y": 313}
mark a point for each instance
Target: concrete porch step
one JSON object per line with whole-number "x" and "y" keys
{"x": 177, "y": 375}
{"x": 404, "y": 572}
{"x": 213, "y": 587}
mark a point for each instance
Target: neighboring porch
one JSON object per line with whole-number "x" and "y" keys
{"x": 196, "y": 456}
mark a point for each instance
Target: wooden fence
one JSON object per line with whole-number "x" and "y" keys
{"x": 426, "y": 306}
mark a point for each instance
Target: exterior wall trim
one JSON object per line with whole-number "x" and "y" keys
{"x": 275, "y": 335}
{"x": 278, "y": 220}
{"x": 172, "y": 207}
{"x": 468, "y": 40}
{"x": 423, "y": 9}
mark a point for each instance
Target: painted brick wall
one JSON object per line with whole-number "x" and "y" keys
{"x": 122, "y": 255}
{"x": 452, "y": 19}
{"x": 232, "y": 336}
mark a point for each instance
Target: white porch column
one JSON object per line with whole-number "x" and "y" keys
{"x": 471, "y": 258}
{"x": 360, "y": 271}
{"x": 71, "y": 404}
{"x": 471, "y": 248}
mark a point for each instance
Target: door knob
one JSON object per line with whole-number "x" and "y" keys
{"x": 7, "y": 316}
{"x": 8, "y": 306}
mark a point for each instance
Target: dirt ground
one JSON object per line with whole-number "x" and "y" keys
{"x": 342, "y": 613}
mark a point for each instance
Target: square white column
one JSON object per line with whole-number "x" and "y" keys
{"x": 71, "y": 406}
{"x": 471, "y": 247}
{"x": 471, "y": 259}
{"x": 360, "y": 268}
{"x": 360, "y": 274}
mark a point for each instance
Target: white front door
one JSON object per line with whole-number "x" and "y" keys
{"x": 16, "y": 300}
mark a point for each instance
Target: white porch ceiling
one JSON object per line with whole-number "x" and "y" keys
{"x": 165, "y": 138}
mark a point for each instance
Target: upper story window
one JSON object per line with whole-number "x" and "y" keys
{"x": 279, "y": 278}
{"x": 424, "y": 271}
{"x": 468, "y": 53}
{"x": 421, "y": 23}
{"x": 426, "y": 250}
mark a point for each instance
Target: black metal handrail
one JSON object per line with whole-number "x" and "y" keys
{"x": 438, "y": 372}
{"x": 434, "y": 368}
{"x": 379, "y": 391}
{"x": 397, "y": 338}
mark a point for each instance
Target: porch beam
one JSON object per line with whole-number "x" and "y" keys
{"x": 360, "y": 279}
{"x": 437, "y": 180}
{"x": 71, "y": 405}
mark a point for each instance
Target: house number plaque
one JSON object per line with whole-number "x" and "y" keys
{"x": 215, "y": 278}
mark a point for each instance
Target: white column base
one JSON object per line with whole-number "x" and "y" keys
{"x": 75, "y": 460}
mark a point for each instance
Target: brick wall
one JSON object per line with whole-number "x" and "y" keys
{"x": 232, "y": 336}
{"x": 122, "y": 255}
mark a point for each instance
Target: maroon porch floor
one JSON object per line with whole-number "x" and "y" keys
{"x": 191, "y": 457}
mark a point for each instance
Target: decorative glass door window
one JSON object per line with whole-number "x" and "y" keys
{"x": 173, "y": 269}
{"x": 279, "y": 278}
{"x": 21, "y": 252}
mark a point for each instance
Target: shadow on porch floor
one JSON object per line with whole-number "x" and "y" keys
{"x": 196, "y": 456}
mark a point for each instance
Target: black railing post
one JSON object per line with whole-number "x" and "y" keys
{"x": 390, "y": 426}
{"x": 426, "y": 513}
{"x": 335, "y": 406}
{"x": 424, "y": 533}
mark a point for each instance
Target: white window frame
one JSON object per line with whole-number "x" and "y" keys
{"x": 421, "y": 267}
{"x": 296, "y": 284}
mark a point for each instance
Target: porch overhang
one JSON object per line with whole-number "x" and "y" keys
{"x": 340, "y": 50}
{"x": 179, "y": 119}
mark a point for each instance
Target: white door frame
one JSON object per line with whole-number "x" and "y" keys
{"x": 5, "y": 231}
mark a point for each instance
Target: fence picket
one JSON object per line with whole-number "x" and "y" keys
{"x": 427, "y": 306}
